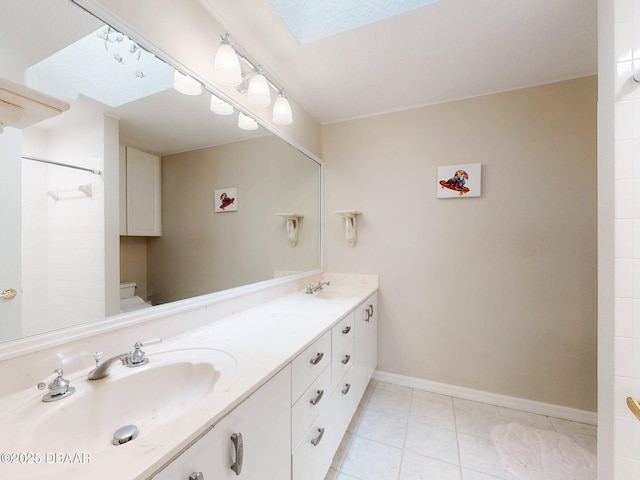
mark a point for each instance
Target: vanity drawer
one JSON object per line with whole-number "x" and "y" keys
{"x": 313, "y": 455}
{"x": 308, "y": 366}
{"x": 342, "y": 348}
{"x": 309, "y": 405}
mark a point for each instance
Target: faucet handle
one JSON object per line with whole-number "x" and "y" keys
{"x": 137, "y": 356}
{"x": 97, "y": 356}
{"x": 58, "y": 388}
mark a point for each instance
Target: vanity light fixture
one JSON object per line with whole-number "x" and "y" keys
{"x": 228, "y": 71}
{"x": 282, "y": 110}
{"x": 258, "y": 93}
{"x": 246, "y": 123}
{"x": 227, "y": 65}
{"x": 219, "y": 106}
{"x": 185, "y": 84}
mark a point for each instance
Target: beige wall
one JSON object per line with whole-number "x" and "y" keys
{"x": 496, "y": 293}
{"x": 133, "y": 263}
{"x": 201, "y": 251}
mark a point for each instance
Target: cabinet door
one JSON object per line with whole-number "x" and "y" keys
{"x": 143, "y": 194}
{"x": 366, "y": 344}
{"x": 264, "y": 423}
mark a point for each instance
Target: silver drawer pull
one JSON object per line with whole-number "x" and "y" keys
{"x": 346, "y": 330}
{"x": 347, "y": 387}
{"x": 318, "y": 359}
{"x": 196, "y": 476}
{"x": 316, "y": 441}
{"x": 314, "y": 401}
{"x": 238, "y": 445}
{"x": 346, "y": 359}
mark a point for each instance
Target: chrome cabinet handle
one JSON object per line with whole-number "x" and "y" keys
{"x": 347, "y": 387}
{"x": 314, "y": 401}
{"x": 315, "y": 361}
{"x": 346, "y": 359}
{"x": 8, "y": 294}
{"x": 368, "y": 313}
{"x": 346, "y": 330}
{"x": 196, "y": 476}
{"x": 316, "y": 441}
{"x": 238, "y": 445}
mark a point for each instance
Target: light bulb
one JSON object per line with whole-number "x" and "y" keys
{"x": 282, "y": 111}
{"x": 185, "y": 84}
{"x": 246, "y": 123}
{"x": 258, "y": 93}
{"x": 219, "y": 106}
{"x": 227, "y": 66}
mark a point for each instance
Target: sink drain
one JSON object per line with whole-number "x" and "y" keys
{"x": 125, "y": 434}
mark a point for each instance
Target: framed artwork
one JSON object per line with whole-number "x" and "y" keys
{"x": 459, "y": 181}
{"x": 226, "y": 199}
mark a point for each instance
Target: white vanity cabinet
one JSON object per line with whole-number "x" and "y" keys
{"x": 140, "y": 193}
{"x": 292, "y": 426}
{"x": 261, "y": 425}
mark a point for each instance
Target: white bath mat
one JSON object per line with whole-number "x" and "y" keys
{"x": 533, "y": 454}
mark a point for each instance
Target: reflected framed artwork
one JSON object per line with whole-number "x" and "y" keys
{"x": 226, "y": 199}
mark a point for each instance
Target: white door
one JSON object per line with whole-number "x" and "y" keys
{"x": 10, "y": 233}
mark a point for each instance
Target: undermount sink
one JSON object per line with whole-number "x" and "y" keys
{"x": 334, "y": 294}
{"x": 148, "y": 397}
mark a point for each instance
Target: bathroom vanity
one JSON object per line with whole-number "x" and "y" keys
{"x": 258, "y": 385}
{"x": 292, "y": 426}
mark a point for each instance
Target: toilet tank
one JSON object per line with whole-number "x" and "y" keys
{"x": 127, "y": 290}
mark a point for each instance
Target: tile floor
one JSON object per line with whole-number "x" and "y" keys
{"x": 400, "y": 433}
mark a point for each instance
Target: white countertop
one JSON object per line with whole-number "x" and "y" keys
{"x": 262, "y": 340}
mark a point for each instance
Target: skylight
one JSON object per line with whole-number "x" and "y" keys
{"x": 310, "y": 20}
{"x": 106, "y": 66}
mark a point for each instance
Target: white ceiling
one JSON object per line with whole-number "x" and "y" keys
{"x": 449, "y": 50}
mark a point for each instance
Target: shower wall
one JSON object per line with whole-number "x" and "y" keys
{"x": 63, "y": 239}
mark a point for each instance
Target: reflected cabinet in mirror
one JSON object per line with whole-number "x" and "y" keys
{"x": 155, "y": 189}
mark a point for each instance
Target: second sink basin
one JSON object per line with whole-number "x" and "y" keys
{"x": 334, "y": 294}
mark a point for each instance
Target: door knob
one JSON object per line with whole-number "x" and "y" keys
{"x": 8, "y": 294}
{"x": 634, "y": 406}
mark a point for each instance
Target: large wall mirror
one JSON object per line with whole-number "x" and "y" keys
{"x": 124, "y": 108}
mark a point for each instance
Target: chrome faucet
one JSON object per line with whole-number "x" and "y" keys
{"x": 134, "y": 358}
{"x": 314, "y": 288}
{"x": 59, "y": 388}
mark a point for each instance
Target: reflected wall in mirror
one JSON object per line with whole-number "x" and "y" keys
{"x": 71, "y": 241}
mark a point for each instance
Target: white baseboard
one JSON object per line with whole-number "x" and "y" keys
{"x": 531, "y": 406}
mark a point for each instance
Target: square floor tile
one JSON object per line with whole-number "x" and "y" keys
{"x": 479, "y": 454}
{"x": 475, "y": 418}
{"x": 383, "y": 428}
{"x": 390, "y": 402}
{"x": 431, "y": 441}
{"x": 369, "y": 460}
{"x": 524, "y": 418}
{"x": 417, "y": 467}
{"x": 433, "y": 409}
